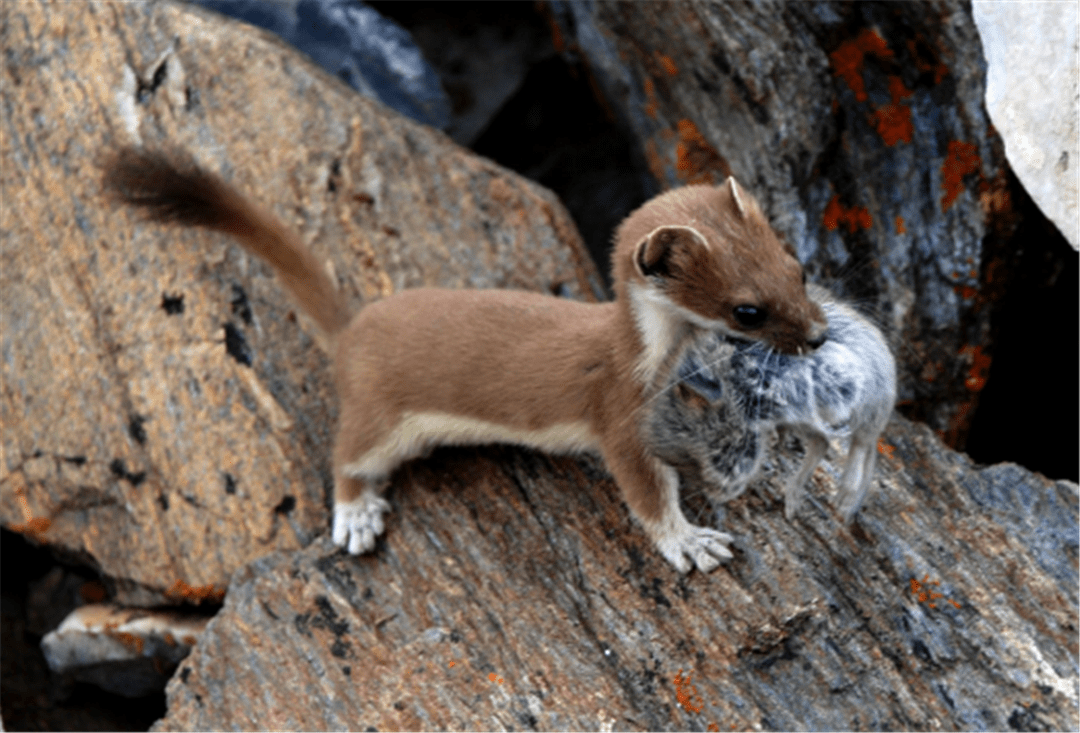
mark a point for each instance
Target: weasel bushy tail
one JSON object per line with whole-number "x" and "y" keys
{"x": 171, "y": 191}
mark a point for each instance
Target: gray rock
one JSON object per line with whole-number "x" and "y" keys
{"x": 861, "y": 129}
{"x": 352, "y": 41}
{"x": 512, "y": 591}
{"x": 126, "y": 651}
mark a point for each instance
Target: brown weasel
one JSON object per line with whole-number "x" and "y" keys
{"x": 429, "y": 367}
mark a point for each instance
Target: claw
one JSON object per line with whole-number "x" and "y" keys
{"x": 358, "y": 523}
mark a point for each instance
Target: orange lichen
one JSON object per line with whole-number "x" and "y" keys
{"x": 893, "y": 120}
{"x": 966, "y": 292}
{"x": 979, "y": 370}
{"x": 31, "y": 526}
{"x": 836, "y": 214}
{"x": 900, "y": 228}
{"x": 847, "y": 59}
{"x": 131, "y": 641}
{"x": 695, "y": 159}
{"x": 182, "y": 591}
{"x": 667, "y": 63}
{"x": 885, "y": 449}
{"x": 925, "y": 595}
{"x": 653, "y": 160}
{"x": 893, "y": 123}
{"x": 897, "y": 90}
{"x": 960, "y": 161}
{"x": 495, "y": 678}
{"x": 684, "y": 695}
{"x": 650, "y": 98}
{"x": 994, "y": 195}
{"x": 35, "y": 527}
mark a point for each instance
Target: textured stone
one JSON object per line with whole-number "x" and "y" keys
{"x": 127, "y": 651}
{"x": 1033, "y": 97}
{"x": 503, "y": 598}
{"x": 859, "y": 126}
{"x": 166, "y": 412}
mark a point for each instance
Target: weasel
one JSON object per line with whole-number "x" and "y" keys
{"x": 428, "y": 367}
{"x": 726, "y": 392}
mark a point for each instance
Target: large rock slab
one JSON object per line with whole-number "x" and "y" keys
{"x": 1033, "y": 97}
{"x": 166, "y": 412}
{"x": 861, "y": 129}
{"x": 512, "y": 592}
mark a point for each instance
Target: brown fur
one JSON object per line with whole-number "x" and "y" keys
{"x": 429, "y": 367}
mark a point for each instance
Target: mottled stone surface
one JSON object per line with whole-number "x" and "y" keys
{"x": 166, "y": 412}
{"x": 1033, "y": 97}
{"x": 512, "y": 592}
{"x": 127, "y": 651}
{"x": 861, "y": 129}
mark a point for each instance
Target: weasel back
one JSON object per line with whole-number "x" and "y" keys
{"x": 170, "y": 190}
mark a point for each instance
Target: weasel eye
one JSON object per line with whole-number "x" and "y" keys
{"x": 750, "y": 316}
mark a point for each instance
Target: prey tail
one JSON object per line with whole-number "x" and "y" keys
{"x": 171, "y": 191}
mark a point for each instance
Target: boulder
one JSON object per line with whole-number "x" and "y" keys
{"x": 352, "y": 41}
{"x": 861, "y": 129}
{"x": 167, "y": 413}
{"x": 127, "y": 651}
{"x": 500, "y": 600}
{"x": 1032, "y": 95}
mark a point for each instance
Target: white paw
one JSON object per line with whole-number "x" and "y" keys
{"x": 357, "y": 523}
{"x": 690, "y": 545}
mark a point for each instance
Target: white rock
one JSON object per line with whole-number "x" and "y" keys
{"x": 129, "y": 651}
{"x": 1033, "y": 99}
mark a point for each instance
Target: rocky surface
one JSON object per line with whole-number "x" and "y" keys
{"x": 127, "y": 651}
{"x": 861, "y": 129}
{"x": 1032, "y": 95}
{"x": 511, "y": 592}
{"x": 166, "y": 416}
{"x": 372, "y": 54}
{"x": 166, "y": 411}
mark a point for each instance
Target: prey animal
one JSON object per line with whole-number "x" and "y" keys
{"x": 726, "y": 394}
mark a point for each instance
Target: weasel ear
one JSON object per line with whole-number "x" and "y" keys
{"x": 738, "y": 196}
{"x": 657, "y": 253}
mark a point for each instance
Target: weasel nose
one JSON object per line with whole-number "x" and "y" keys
{"x": 817, "y": 337}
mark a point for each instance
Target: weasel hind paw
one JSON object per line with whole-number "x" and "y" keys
{"x": 706, "y": 548}
{"x": 357, "y": 523}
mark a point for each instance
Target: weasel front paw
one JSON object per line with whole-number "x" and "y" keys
{"x": 357, "y": 523}
{"x": 704, "y": 547}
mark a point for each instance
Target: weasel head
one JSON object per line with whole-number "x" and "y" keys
{"x": 707, "y": 256}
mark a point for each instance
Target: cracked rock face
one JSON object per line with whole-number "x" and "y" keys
{"x": 167, "y": 413}
{"x": 861, "y": 129}
{"x": 512, "y": 591}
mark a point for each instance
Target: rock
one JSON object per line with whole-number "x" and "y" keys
{"x": 50, "y": 599}
{"x": 506, "y": 597}
{"x": 167, "y": 413}
{"x": 126, "y": 651}
{"x": 352, "y": 41}
{"x": 482, "y": 57}
{"x": 1032, "y": 94}
{"x": 861, "y": 129}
